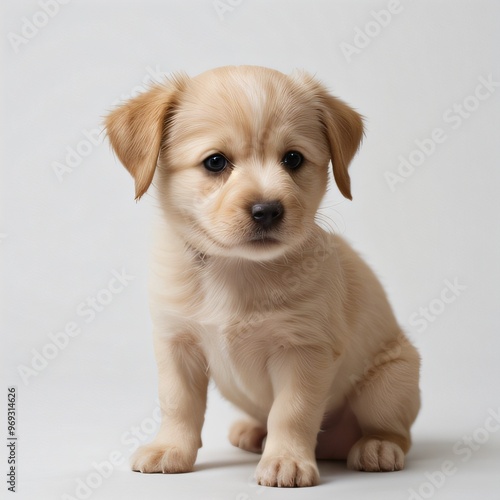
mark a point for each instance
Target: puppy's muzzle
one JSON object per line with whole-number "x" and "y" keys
{"x": 267, "y": 214}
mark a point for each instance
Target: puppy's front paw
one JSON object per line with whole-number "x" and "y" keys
{"x": 375, "y": 455}
{"x": 247, "y": 436}
{"x": 162, "y": 458}
{"x": 286, "y": 472}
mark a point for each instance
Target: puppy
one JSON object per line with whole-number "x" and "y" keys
{"x": 247, "y": 289}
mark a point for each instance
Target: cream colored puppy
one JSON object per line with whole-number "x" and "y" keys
{"x": 247, "y": 289}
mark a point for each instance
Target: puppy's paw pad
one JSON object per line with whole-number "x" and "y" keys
{"x": 376, "y": 455}
{"x": 247, "y": 436}
{"x": 286, "y": 472}
{"x": 167, "y": 459}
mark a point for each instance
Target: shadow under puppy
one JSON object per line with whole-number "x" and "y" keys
{"x": 247, "y": 289}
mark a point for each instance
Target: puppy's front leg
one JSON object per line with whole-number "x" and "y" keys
{"x": 301, "y": 378}
{"x": 183, "y": 394}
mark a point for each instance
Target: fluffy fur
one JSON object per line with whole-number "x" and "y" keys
{"x": 290, "y": 323}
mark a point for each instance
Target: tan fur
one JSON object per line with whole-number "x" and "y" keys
{"x": 296, "y": 331}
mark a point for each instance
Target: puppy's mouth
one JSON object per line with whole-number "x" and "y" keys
{"x": 262, "y": 236}
{"x": 263, "y": 241}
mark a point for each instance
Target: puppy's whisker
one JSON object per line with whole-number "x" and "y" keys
{"x": 327, "y": 222}
{"x": 330, "y": 223}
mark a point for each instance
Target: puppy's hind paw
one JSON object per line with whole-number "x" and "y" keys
{"x": 375, "y": 455}
{"x": 161, "y": 458}
{"x": 247, "y": 435}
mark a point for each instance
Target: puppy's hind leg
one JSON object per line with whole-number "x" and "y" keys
{"x": 386, "y": 403}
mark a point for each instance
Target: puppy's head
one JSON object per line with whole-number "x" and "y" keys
{"x": 240, "y": 155}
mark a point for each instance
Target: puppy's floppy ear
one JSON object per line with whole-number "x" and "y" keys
{"x": 343, "y": 129}
{"x": 135, "y": 130}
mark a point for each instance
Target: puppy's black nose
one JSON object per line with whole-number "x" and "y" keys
{"x": 267, "y": 214}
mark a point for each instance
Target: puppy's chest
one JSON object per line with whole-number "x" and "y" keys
{"x": 241, "y": 315}
{"x": 255, "y": 309}
{"x": 239, "y": 299}
{"x": 237, "y": 353}
{"x": 238, "y": 323}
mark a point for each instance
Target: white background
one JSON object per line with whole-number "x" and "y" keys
{"x": 61, "y": 237}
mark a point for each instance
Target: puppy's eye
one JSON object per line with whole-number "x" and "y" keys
{"x": 292, "y": 160}
{"x": 215, "y": 163}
